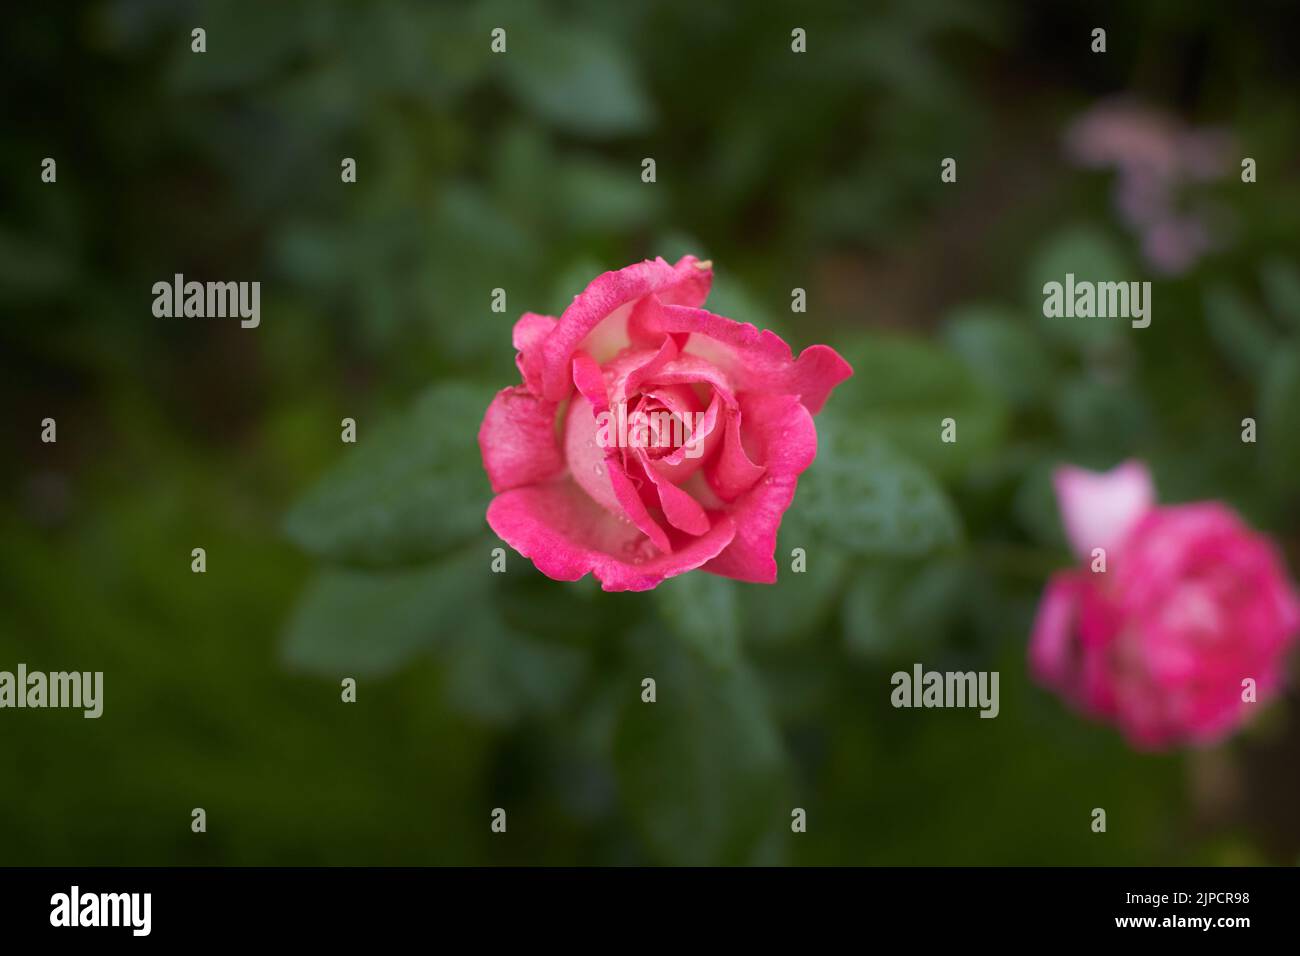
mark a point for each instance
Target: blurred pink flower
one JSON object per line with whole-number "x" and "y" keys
{"x": 1191, "y": 603}
{"x": 1156, "y": 158}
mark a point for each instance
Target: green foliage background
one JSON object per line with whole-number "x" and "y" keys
{"x": 522, "y": 171}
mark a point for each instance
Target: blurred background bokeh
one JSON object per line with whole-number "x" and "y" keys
{"x": 521, "y": 171}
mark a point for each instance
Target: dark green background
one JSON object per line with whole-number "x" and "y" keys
{"x": 522, "y": 171}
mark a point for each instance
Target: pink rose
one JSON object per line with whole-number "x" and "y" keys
{"x": 650, "y": 436}
{"x": 1191, "y": 603}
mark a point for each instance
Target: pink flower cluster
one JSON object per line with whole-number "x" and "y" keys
{"x": 1186, "y": 629}
{"x": 1156, "y": 158}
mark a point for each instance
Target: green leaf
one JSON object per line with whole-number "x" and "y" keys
{"x": 405, "y": 493}
{"x": 702, "y": 610}
{"x": 865, "y": 496}
{"x": 1099, "y": 420}
{"x": 900, "y": 608}
{"x": 795, "y": 608}
{"x": 902, "y": 389}
{"x": 499, "y": 676}
{"x": 355, "y": 622}
{"x": 1003, "y": 351}
{"x": 267, "y": 35}
{"x": 1035, "y": 507}
{"x": 1239, "y": 330}
{"x": 1093, "y": 257}
{"x": 702, "y": 771}
{"x": 1281, "y": 281}
{"x": 578, "y": 79}
{"x": 1279, "y": 419}
{"x": 473, "y": 242}
{"x": 599, "y": 197}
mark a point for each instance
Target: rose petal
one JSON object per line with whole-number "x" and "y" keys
{"x": 636, "y": 378}
{"x": 786, "y": 440}
{"x": 518, "y": 439}
{"x": 600, "y": 470}
{"x": 687, "y": 425}
{"x": 731, "y": 473}
{"x": 607, "y": 294}
{"x": 567, "y": 535}
{"x": 1053, "y": 644}
{"x": 688, "y": 458}
{"x": 529, "y": 333}
{"x": 693, "y": 370}
{"x": 816, "y": 372}
{"x": 1100, "y": 508}
{"x": 681, "y": 510}
{"x": 645, "y": 320}
{"x": 589, "y": 380}
{"x": 757, "y": 360}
